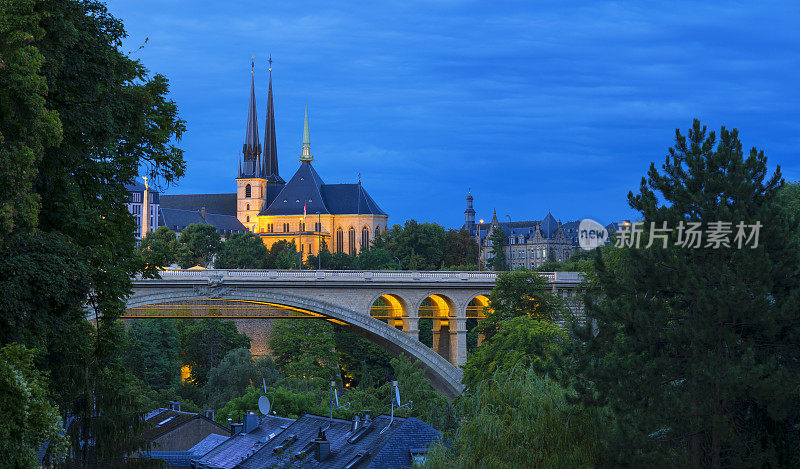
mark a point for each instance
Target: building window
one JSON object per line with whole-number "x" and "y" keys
{"x": 247, "y": 191}
{"x": 377, "y": 231}
{"x": 285, "y": 227}
{"x": 269, "y": 228}
{"x": 302, "y": 226}
{"x": 318, "y": 227}
{"x": 364, "y": 238}
{"x": 339, "y": 240}
{"x": 248, "y": 218}
{"x": 351, "y": 241}
{"x": 248, "y": 207}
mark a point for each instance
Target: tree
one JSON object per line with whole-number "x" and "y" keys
{"x": 520, "y": 419}
{"x": 159, "y": 249}
{"x": 27, "y": 124}
{"x": 114, "y": 118}
{"x": 498, "y": 242}
{"x": 305, "y": 349}
{"x": 376, "y": 259}
{"x": 460, "y": 248}
{"x": 198, "y": 244}
{"x": 696, "y": 348}
{"x": 428, "y": 405}
{"x": 520, "y": 294}
{"x": 28, "y": 420}
{"x": 361, "y": 362}
{"x": 231, "y": 377}
{"x": 204, "y": 344}
{"x": 241, "y": 251}
{"x": 520, "y": 342}
{"x": 417, "y": 245}
{"x": 579, "y": 261}
{"x": 153, "y": 352}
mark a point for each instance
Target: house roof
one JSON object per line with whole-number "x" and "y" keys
{"x": 382, "y": 449}
{"x": 232, "y": 451}
{"x": 205, "y": 445}
{"x": 162, "y": 421}
{"x": 220, "y": 204}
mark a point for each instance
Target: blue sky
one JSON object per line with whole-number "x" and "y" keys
{"x": 536, "y": 106}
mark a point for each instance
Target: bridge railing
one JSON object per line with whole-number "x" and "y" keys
{"x": 353, "y": 275}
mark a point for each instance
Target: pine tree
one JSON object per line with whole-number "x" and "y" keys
{"x": 696, "y": 348}
{"x": 498, "y": 240}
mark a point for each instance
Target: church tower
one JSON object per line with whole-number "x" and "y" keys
{"x": 251, "y": 182}
{"x": 469, "y": 214}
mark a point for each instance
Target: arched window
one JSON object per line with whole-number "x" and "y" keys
{"x": 364, "y": 238}
{"x": 339, "y": 240}
{"x": 247, "y": 191}
{"x": 248, "y": 207}
{"x": 248, "y": 218}
{"x": 351, "y": 241}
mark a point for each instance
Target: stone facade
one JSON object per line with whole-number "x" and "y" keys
{"x": 529, "y": 244}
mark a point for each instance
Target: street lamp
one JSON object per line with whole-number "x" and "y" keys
{"x": 510, "y": 232}
{"x": 319, "y": 241}
{"x": 398, "y": 263}
{"x": 480, "y": 244}
{"x": 301, "y": 241}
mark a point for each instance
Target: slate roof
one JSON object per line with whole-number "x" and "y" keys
{"x": 549, "y": 226}
{"x": 349, "y": 199}
{"x": 413, "y": 434}
{"x": 135, "y": 186}
{"x": 205, "y": 445}
{"x": 385, "y": 449}
{"x": 177, "y": 220}
{"x": 235, "y": 449}
{"x": 162, "y": 421}
{"x": 307, "y": 188}
{"x": 220, "y": 204}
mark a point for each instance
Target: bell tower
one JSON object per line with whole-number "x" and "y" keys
{"x": 250, "y": 182}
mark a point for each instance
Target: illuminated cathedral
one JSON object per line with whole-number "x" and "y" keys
{"x": 305, "y": 210}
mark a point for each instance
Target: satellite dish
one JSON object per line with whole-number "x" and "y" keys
{"x": 264, "y": 405}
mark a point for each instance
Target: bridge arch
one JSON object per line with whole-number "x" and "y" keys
{"x": 444, "y": 376}
{"x": 391, "y": 308}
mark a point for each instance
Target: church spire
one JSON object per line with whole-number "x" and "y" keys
{"x": 251, "y": 149}
{"x": 270, "y": 167}
{"x": 306, "y": 156}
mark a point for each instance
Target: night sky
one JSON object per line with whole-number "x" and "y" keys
{"x": 536, "y": 106}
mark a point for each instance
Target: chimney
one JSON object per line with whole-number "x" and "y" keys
{"x": 322, "y": 447}
{"x": 356, "y": 423}
{"x": 230, "y": 424}
{"x": 174, "y": 405}
{"x": 203, "y": 212}
{"x": 210, "y": 414}
{"x": 237, "y": 427}
{"x": 250, "y": 421}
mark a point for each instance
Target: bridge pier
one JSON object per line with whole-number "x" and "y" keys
{"x": 411, "y": 327}
{"x": 458, "y": 341}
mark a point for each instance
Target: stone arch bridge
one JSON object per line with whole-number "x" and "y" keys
{"x": 383, "y": 306}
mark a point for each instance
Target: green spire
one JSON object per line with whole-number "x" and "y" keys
{"x": 306, "y": 137}
{"x": 306, "y": 156}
